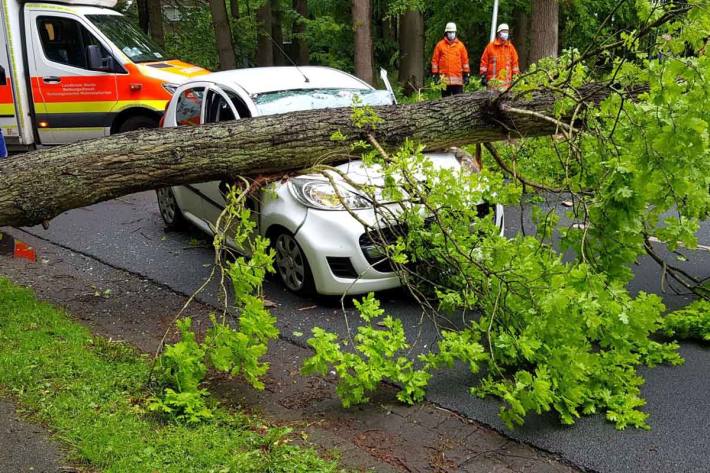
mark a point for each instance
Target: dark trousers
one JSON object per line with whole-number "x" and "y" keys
{"x": 3, "y": 148}
{"x": 452, "y": 90}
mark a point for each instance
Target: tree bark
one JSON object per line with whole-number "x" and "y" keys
{"x": 264, "y": 51}
{"x": 277, "y": 33}
{"x": 521, "y": 37}
{"x": 411, "y": 51}
{"x": 362, "y": 19}
{"x": 143, "y": 16}
{"x": 40, "y": 185}
{"x": 299, "y": 30}
{"x": 234, "y": 9}
{"x": 544, "y": 26}
{"x": 223, "y": 35}
{"x": 155, "y": 22}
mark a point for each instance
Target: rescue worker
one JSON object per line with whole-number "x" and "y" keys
{"x": 449, "y": 64}
{"x": 499, "y": 62}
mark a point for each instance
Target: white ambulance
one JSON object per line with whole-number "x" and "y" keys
{"x": 76, "y": 69}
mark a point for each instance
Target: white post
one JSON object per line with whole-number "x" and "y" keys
{"x": 494, "y": 20}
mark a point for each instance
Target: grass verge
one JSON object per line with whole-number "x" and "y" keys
{"x": 89, "y": 391}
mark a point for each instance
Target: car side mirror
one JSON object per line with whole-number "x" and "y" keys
{"x": 3, "y": 76}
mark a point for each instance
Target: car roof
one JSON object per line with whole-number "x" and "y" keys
{"x": 259, "y": 80}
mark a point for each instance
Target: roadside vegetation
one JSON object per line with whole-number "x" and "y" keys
{"x": 553, "y": 327}
{"x": 91, "y": 393}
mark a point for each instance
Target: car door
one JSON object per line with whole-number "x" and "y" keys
{"x": 187, "y": 111}
{"x": 218, "y": 108}
{"x": 74, "y": 94}
{"x": 8, "y": 115}
{"x": 223, "y": 105}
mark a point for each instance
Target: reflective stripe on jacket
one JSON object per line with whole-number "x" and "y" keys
{"x": 450, "y": 60}
{"x": 500, "y": 62}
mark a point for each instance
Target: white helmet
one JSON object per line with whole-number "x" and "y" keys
{"x": 450, "y": 27}
{"x": 502, "y": 26}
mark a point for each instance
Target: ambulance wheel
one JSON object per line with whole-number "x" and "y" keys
{"x": 138, "y": 122}
{"x": 170, "y": 210}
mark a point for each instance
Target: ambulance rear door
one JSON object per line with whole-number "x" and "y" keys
{"x": 73, "y": 74}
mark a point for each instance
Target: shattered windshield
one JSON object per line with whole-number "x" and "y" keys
{"x": 272, "y": 103}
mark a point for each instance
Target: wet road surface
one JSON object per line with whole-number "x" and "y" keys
{"x": 127, "y": 233}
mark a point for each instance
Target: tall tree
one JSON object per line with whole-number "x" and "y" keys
{"x": 223, "y": 35}
{"x": 155, "y": 21}
{"x": 264, "y": 51}
{"x": 521, "y": 36}
{"x": 411, "y": 50}
{"x": 143, "y": 16}
{"x": 362, "y": 26}
{"x": 544, "y": 29}
{"x": 277, "y": 33}
{"x": 234, "y": 9}
{"x": 299, "y": 30}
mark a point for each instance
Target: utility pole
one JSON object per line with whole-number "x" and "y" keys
{"x": 494, "y": 20}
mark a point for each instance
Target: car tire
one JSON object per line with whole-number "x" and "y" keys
{"x": 170, "y": 210}
{"x": 292, "y": 265}
{"x": 138, "y": 122}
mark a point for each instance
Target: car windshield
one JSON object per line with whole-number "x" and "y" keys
{"x": 284, "y": 101}
{"x": 128, "y": 38}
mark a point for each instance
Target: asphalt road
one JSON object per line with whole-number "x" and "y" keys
{"x": 127, "y": 233}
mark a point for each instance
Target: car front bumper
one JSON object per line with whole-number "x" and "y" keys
{"x": 332, "y": 244}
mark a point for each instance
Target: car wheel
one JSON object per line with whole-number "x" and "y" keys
{"x": 292, "y": 265}
{"x": 138, "y": 122}
{"x": 170, "y": 210}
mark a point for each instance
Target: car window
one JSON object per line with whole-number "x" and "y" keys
{"x": 217, "y": 108}
{"x": 189, "y": 107}
{"x": 284, "y": 101}
{"x": 67, "y": 41}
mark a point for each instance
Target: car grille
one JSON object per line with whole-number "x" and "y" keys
{"x": 371, "y": 242}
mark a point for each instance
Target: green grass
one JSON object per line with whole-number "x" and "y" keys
{"x": 89, "y": 391}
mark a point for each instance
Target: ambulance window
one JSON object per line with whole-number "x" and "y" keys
{"x": 189, "y": 106}
{"x": 67, "y": 41}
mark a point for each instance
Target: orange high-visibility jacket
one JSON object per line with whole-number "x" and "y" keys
{"x": 450, "y": 60}
{"x": 500, "y": 62}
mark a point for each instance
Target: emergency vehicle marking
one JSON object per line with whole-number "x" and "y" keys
{"x": 13, "y": 64}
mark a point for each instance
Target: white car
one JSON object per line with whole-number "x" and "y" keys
{"x": 319, "y": 245}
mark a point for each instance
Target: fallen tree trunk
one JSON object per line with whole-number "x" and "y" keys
{"x": 37, "y": 186}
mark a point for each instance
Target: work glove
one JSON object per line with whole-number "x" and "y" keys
{"x": 466, "y": 79}
{"x": 484, "y": 80}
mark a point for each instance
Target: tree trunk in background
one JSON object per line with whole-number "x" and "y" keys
{"x": 143, "y": 16}
{"x": 39, "y": 185}
{"x": 544, "y": 25}
{"x": 264, "y": 51}
{"x": 277, "y": 33}
{"x": 411, "y": 51}
{"x": 362, "y": 15}
{"x": 234, "y": 9}
{"x": 521, "y": 37}
{"x": 155, "y": 22}
{"x": 299, "y": 30}
{"x": 223, "y": 35}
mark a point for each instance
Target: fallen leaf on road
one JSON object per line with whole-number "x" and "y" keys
{"x": 308, "y": 307}
{"x": 268, "y": 303}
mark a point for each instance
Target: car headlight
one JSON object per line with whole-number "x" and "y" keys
{"x": 320, "y": 194}
{"x": 170, "y": 88}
